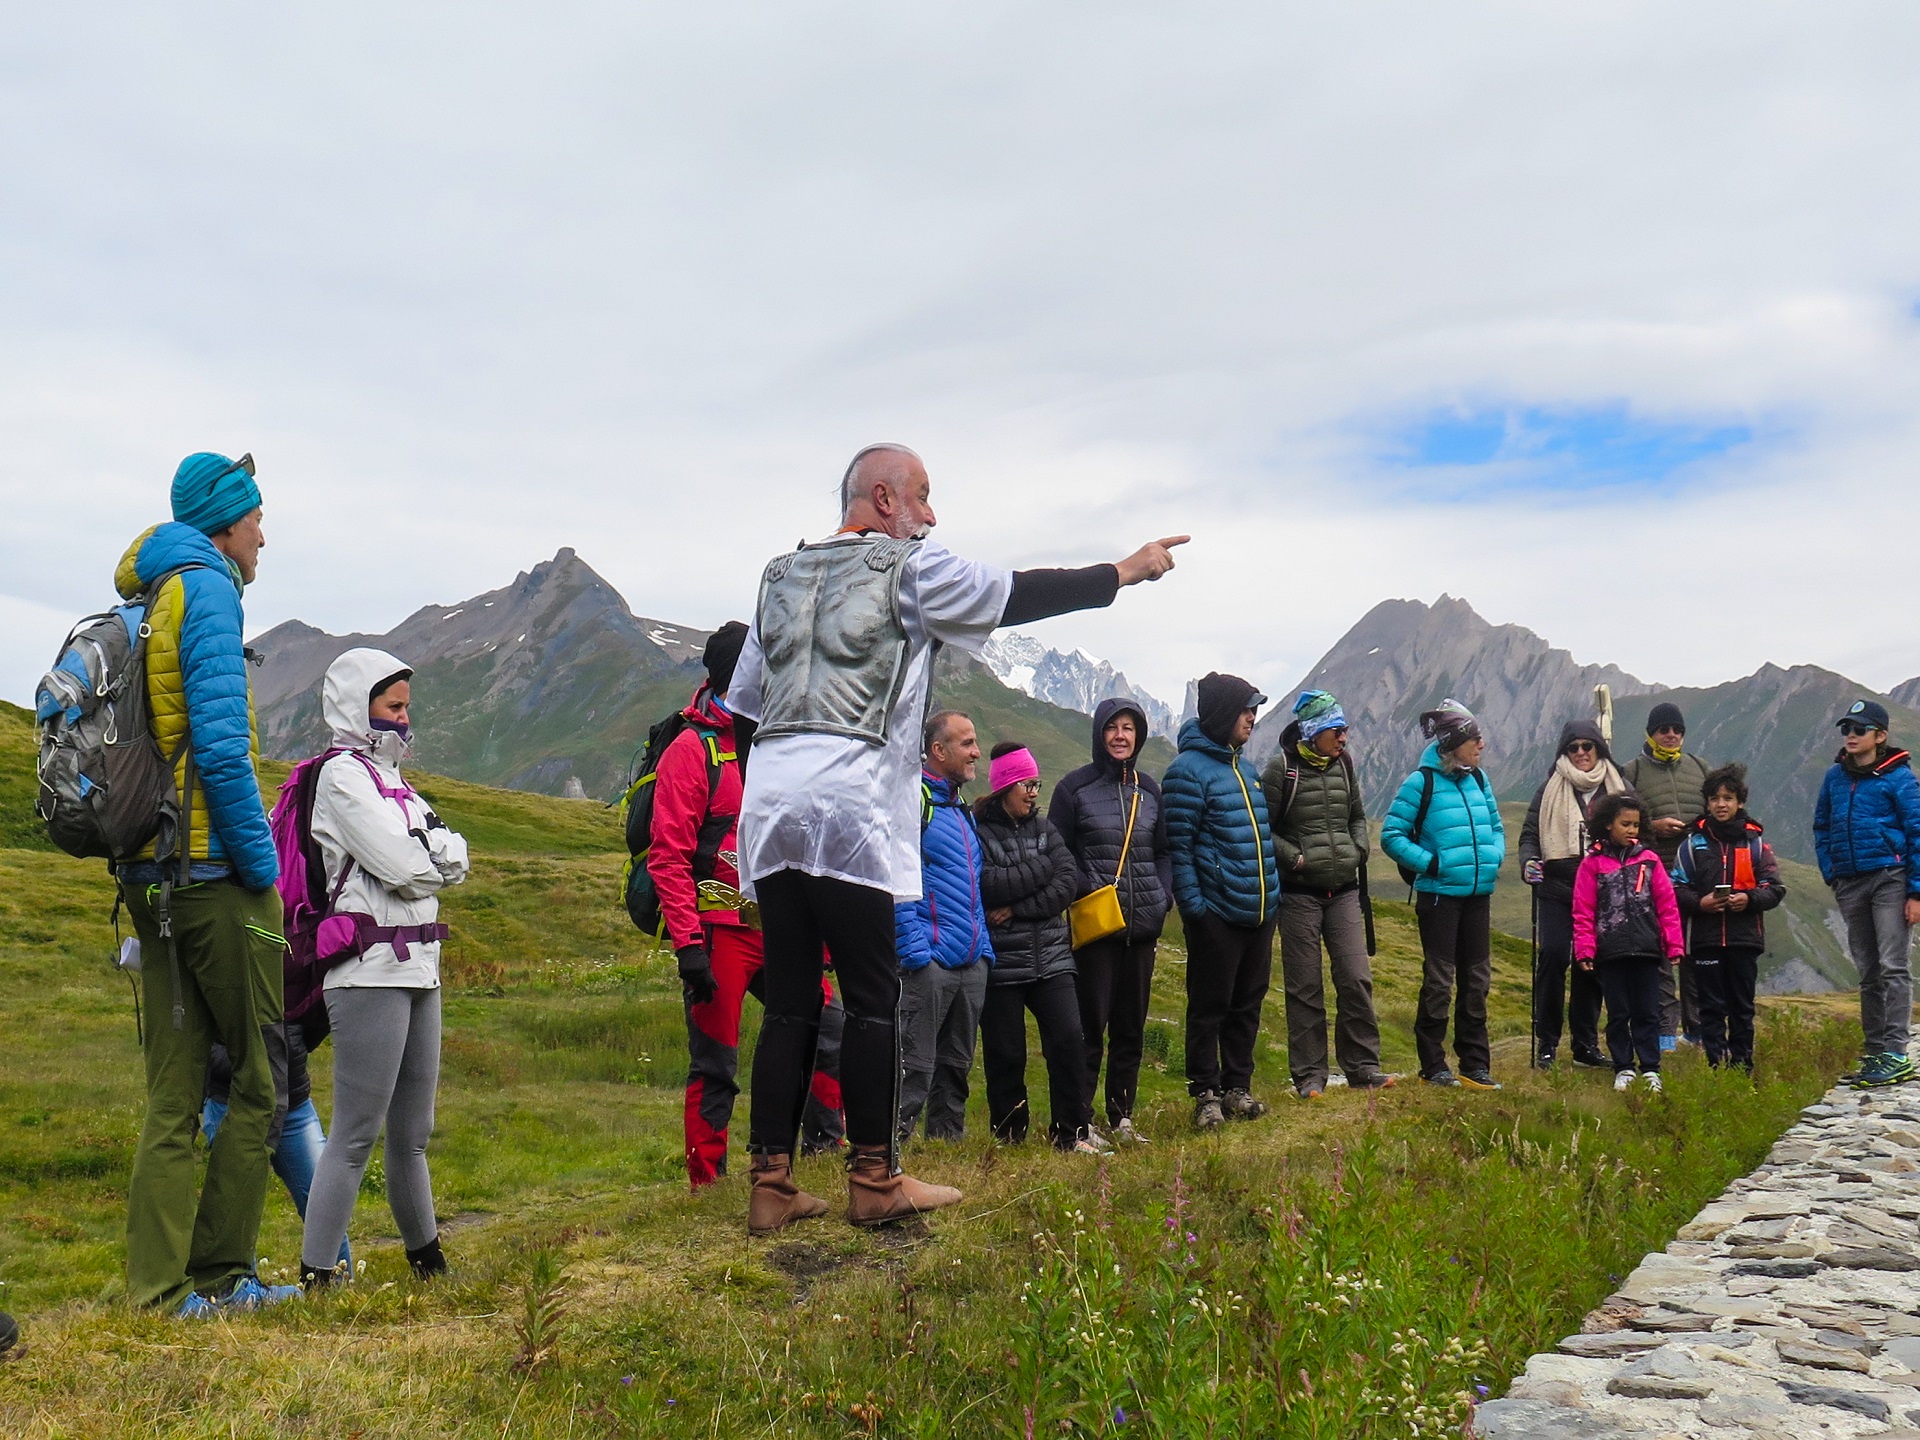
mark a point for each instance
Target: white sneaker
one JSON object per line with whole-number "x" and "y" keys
{"x": 1093, "y": 1134}
{"x": 1623, "y": 1079}
{"x": 1652, "y": 1078}
{"x": 1085, "y": 1146}
{"x": 1127, "y": 1135}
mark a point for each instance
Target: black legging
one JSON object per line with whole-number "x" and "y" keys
{"x": 1114, "y": 981}
{"x": 802, "y": 916}
{"x": 1582, "y": 1009}
{"x": 1003, "y": 1041}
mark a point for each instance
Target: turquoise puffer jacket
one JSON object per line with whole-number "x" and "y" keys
{"x": 1217, "y": 833}
{"x": 1462, "y": 843}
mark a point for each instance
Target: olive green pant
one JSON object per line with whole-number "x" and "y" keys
{"x": 230, "y": 952}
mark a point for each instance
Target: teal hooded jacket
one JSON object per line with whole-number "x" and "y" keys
{"x": 1462, "y": 841}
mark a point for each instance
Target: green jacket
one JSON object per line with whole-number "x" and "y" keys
{"x": 1320, "y": 833}
{"x": 1668, "y": 790}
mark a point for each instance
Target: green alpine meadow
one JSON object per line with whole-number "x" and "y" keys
{"x": 1345, "y": 1267}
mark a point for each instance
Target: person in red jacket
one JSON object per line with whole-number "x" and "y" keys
{"x": 715, "y": 936}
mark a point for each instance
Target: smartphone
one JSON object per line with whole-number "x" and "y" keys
{"x": 1723, "y": 891}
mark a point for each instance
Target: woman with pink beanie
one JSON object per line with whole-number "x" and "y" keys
{"x": 1027, "y": 877}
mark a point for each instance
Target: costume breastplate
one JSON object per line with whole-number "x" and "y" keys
{"x": 835, "y": 644}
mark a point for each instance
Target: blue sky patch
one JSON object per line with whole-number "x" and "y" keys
{"x": 1563, "y": 449}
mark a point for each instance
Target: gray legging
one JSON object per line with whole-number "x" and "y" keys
{"x": 386, "y": 1064}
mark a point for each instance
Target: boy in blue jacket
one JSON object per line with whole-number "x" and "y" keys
{"x": 1226, "y": 881}
{"x": 1866, "y": 833}
{"x": 942, "y": 941}
{"x": 1444, "y": 827}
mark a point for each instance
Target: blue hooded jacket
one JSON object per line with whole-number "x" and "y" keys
{"x": 948, "y": 923}
{"x": 1462, "y": 842}
{"x": 1864, "y": 823}
{"x": 1217, "y": 833}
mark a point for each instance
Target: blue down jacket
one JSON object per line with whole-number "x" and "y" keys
{"x": 1461, "y": 844}
{"x": 1868, "y": 822}
{"x": 948, "y": 923}
{"x": 1217, "y": 833}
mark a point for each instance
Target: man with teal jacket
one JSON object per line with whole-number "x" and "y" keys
{"x": 1444, "y": 829}
{"x": 1227, "y": 885}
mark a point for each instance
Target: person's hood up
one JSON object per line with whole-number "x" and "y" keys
{"x": 1581, "y": 730}
{"x": 1103, "y": 713}
{"x": 1192, "y": 737}
{"x": 167, "y": 547}
{"x": 1220, "y": 700}
{"x": 345, "y": 695}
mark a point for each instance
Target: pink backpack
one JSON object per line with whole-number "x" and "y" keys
{"x": 318, "y": 938}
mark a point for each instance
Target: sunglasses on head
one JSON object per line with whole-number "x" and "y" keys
{"x": 1854, "y": 727}
{"x": 245, "y": 463}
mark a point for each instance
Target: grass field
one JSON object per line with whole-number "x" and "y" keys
{"x": 1325, "y": 1271}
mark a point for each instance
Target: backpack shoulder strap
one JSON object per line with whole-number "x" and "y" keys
{"x": 1426, "y": 803}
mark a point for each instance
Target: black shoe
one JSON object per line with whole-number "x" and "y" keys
{"x": 314, "y": 1279}
{"x": 1370, "y": 1080}
{"x": 427, "y": 1262}
{"x": 1544, "y": 1060}
{"x": 1590, "y": 1060}
{"x": 9, "y": 1332}
{"x": 1442, "y": 1076}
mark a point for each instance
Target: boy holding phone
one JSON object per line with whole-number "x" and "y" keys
{"x": 1726, "y": 879}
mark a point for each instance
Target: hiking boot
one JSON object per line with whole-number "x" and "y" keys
{"x": 1207, "y": 1114}
{"x": 1652, "y": 1081}
{"x": 877, "y": 1194}
{"x": 249, "y": 1294}
{"x": 1544, "y": 1060}
{"x": 1442, "y": 1076}
{"x": 1370, "y": 1080}
{"x": 1479, "y": 1080}
{"x": 196, "y": 1307}
{"x": 1892, "y": 1068}
{"x": 1240, "y": 1105}
{"x": 775, "y": 1201}
{"x": 1590, "y": 1060}
{"x": 1623, "y": 1079}
{"x": 428, "y": 1262}
{"x": 1126, "y": 1134}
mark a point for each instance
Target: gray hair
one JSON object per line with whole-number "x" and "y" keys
{"x": 850, "y": 480}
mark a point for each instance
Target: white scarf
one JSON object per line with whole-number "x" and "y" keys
{"x": 1563, "y": 806}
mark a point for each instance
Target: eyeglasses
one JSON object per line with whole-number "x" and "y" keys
{"x": 1583, "y": 747}
{"x": 1854, "y": 727}
{"x": 1032, "y": 787}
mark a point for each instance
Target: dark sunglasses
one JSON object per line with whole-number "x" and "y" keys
{"x": 1583, "y": 747}
{"x": 245, "y": 462}
{"x": 1854, "y": 727}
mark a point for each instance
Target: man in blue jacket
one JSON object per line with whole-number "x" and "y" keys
{"x": 942, "y": 941}
{"x": 1866, "y": 833}
{"x": 208, "y": 916}
{"x": 1227, "y": 885}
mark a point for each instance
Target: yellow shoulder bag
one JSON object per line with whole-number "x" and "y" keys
{"x": 1096, "y": 915}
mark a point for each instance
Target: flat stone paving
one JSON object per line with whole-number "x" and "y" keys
{"x": 1788, "y": 1309}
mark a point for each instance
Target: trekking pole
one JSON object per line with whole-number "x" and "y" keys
{"x": 1533, "y": 1012}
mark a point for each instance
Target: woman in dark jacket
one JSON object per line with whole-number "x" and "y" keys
{"x": 1027, "y": 876}
{"x": 1553, "y": 841}
{"x": 1090, "y": 809}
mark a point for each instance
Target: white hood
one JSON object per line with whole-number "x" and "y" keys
{"x": 345, "y": 694}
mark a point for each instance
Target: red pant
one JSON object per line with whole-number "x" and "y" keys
{"x": 713, "y": 1052}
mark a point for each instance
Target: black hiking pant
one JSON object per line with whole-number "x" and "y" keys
{"x": 1003, "y": 1042}
{"x": 1725, "y": 981}
{"x": 1456, "y": 941}
{"x": 1228, "y": 970}
{"x": 1632, "y": 986}
{"x": 1555, "y": 977}
{"x": 1113, "y": 984}
{"x": 803, "y": 919}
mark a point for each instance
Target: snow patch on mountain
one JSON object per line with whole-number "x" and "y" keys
{"x": 1078, "y": 681}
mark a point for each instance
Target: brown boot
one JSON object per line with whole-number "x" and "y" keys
{"x": 878, "y": 1194}
{"x": 776, "y": 1201}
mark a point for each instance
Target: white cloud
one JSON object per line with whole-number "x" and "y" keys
{"x": 474, "y": 282}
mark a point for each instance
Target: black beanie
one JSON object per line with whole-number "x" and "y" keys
{"x": 1664, "y": 714}
{"x": 1219, "y": 701}
{"x": 723, "y": 653}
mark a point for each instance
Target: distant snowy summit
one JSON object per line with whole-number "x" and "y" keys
{"x": 1077, "y": 682}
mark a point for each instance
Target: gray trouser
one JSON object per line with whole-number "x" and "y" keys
{"x": 939, "y": 1020}
{"x": 386, "y": 1066}
{"x": 1306, "y": 917}
{"x": 1874, "y": 907}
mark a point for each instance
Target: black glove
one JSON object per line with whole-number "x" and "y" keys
{"x": 696, "y": 974}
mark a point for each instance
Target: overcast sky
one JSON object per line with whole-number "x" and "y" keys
{"x": 1602, "y": 317}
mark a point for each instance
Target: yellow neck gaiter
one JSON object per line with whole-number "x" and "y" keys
{"x": 1312, "y": 756}
{"x": 1662, "y": 753}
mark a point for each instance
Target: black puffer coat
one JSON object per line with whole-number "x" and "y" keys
{"x": 1026, "y": 866}
{"x": 1090, "y": 808}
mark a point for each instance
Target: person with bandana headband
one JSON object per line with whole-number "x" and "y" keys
{"x": 1320, "y": 837}
{"x": 1668, "y": 777}
{"x": 386, "y": 857}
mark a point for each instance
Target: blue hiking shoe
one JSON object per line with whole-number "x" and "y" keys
{"x": 250, "y": 1294}
{"x": 1892, "y": 1068}
{"x": 196, "y": 1307}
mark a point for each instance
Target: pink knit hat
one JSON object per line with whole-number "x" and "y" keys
{"x": 1010, "y": 769}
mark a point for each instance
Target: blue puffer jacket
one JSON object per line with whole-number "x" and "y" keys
{"x": 1217, "y": 833}
{"x": 197, "y": 682}
{"x": 948, "y": 923}
{"x": 1461, "y": 844}
{"x": 1863, "y": 823}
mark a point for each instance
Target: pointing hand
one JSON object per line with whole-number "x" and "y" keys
{"x": 1150, "y": 561}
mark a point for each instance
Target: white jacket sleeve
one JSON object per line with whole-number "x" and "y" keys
{"x": 448, "y": 851}
{"x": 373, "y": 830}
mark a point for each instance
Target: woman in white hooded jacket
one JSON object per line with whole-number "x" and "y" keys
{"x": 387, "y": 856}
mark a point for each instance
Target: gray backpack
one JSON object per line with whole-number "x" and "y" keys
{"x": 105, "y": 788}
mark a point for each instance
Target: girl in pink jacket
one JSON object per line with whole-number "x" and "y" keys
{"x": 1626, "y": 925}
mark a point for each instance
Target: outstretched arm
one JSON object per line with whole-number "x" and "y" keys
{"x": 1036, "y": 594}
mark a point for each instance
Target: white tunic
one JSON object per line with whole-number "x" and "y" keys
{"x": 834, "y": 806}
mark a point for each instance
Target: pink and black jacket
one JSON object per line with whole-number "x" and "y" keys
{"x": 1624, "y": 907}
